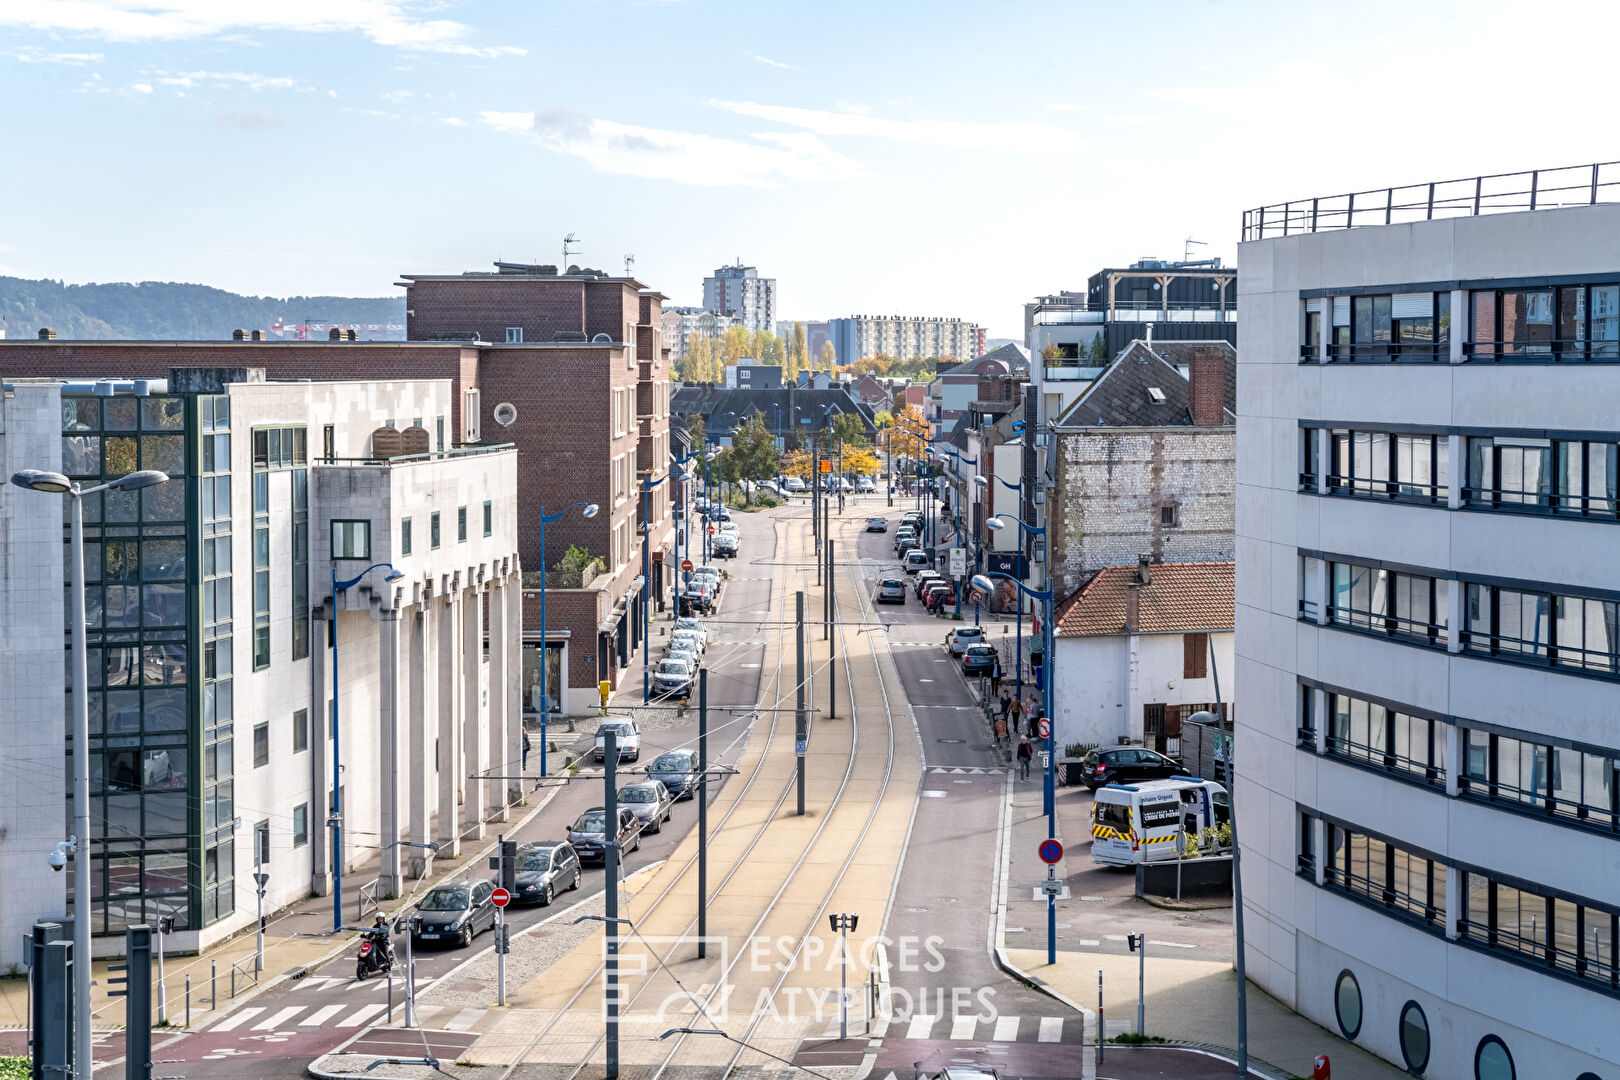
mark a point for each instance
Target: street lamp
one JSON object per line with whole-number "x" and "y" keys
{"x": 983, "y": 583}
{"x": 335, "y": 818}
{"x": 646, "y": 576}
{"x": 998, "y": 523}
{"x": 589, "y": 511}
{"x": 54, "y": 483}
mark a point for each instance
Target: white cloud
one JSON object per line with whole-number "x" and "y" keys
{"x": 223, "y": 80}
{"x": 684, "y": 157}
{"x": 456, "y": 121}
{"x": 1068, "y": 106}
{"x": 1019, "y": 137}
{"x": 1134, "y": 119}
{"x": 768, "y": 60}
{"x": 33, "y": 54}
{"x": 251, "y": 121}
{"x": 391, "y": 23}
{"x": 398, "y": 97}
{"x": 141, "y": 88}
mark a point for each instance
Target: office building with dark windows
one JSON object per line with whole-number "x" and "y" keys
{"x": 1428, "y": 619}
{"x": 213, "y": 641}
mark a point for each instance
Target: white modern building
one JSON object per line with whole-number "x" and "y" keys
{"x": 682, "y": 326}
{"x": 904, "y": 337}
{"x": 739, "y": 292}
{"x": 1140, "y": 649}
{"x": 214, "y": 644}
{"x": 1428, "y": 620}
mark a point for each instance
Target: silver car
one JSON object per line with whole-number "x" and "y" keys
{"x": 650, "y": 801}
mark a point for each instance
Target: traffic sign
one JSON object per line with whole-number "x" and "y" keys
{"x": 500, "y": 898}
{"x": 974, "y": 596}
{"x": 1051, "y": 851}
{"x": 1044, "y": 728}
{"x": 711, "y": 530}
{"x": 958, "y": 561}
{"x": 826, "y": 465}
{"x": 686, "y": 564}
{"x": 799, "y": 747}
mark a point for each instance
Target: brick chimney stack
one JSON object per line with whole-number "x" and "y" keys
{"x": 1207, "y": 373}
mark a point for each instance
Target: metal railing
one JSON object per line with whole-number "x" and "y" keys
{"x": 1369, "y": 487}
{"x": 1556, "y": 351}
{"x": 1380, "y": 757}
{"x": 246, "y": 968}
{"x": 1524, "y": 501}
{"x": 460, "y": 450}
{"x": 1395, "y": 626}
{"x": 367, "y": 902}
{"x": 1542, "y": 946}
{"x": 1390, "y": 352}
{"x": 1499, "y": 193}
{"x": 1381, "y": 892}
{"x": 1502, "y": 793}
{"x": 1543, "y": 653}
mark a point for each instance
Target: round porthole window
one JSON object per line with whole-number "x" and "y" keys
{"x": 1492, "y": 1060}
{"x": 1414, "y": 1037}
{"x": 1347, "y": 1004}
{"x": 1589, "y": 1076}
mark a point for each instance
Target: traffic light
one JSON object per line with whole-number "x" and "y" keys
{"x": 509, "y": 865}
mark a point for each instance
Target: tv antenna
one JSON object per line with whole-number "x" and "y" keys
{"x": 629, "y": 261}
{"x": 567, "y": 250}
{"x": 1186, "y": 250}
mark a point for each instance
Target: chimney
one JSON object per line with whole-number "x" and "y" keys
{"x": 258, "y": 335}
{"x": 1133, "y": 607}
{"x": 238, "y": 335}
{"x": 1144, "y": 575}
{"x": 1207, "y": 373}
{"x": 1149, "y": 338}
{"x": 334, "y": 334}
{"x": 47, "y": 334}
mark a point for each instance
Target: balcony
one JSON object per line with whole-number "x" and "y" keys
{"x": 1071, "y": 370}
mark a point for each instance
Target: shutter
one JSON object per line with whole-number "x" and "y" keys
{"x": 1316, "y": 305}
{"x": 1341, "y": 311}
{"x": 1411, "y": 305}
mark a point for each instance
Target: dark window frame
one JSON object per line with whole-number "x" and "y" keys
{"x": 261, "y": 744}
{"x": 1569, "y": 320}
{"x": 333, "y": 535}
{"x": 1356, "y": 474}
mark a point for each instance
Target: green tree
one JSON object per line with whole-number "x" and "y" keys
{"x": 850, "y": 430}
{"x": 751, "y": 455}
{"x": 828, "y": 358}
{"x": 1099, "y": 350}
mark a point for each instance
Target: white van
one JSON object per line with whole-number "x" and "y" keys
{"x": 1133, "y": 823}
{"x": 916, "y": 559}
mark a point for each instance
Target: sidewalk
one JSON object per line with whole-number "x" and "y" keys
{"x": 1186, "y": 1001}
{"x": 296, "y": 937}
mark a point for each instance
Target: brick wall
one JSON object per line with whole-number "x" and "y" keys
{"x": 1111, "y": 485}
{"x": 487, "y": 305}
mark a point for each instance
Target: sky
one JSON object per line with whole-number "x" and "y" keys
{"x": 887, "y": 157}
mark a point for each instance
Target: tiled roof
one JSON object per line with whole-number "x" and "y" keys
{"x": 1120, "y": 397}
{"x": 1180, "y": 598}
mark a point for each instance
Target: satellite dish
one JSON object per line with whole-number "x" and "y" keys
{"x": 505, "y": 414}
{"x": 601, "y": 339}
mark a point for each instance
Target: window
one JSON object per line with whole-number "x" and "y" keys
{"x": 1373, "y": 734}
{"x": 1305, "y": 862}
{"x": 300, "y": 731}
{"x": 279, "y": 447}
{"x": 261, "y": 596}
{"x": 352, "y": 539}
{"x": 261, "y": 745}
{"x": 1407, "y": 606}
{"x": 1414, "y": 1035}
{"x": 261, "y": 844}
{"x": 1543, "y": 628}
{"x": 1569, "y": 784}
{"x": 1347, "y": 1004}
{"x": 1310, "y": 459}
{"x": 1194, "y": 656}
{"x": 300, "y": 825}
{"x": 1305, "y": 733}
{"x": 1168, "y": 516}
{"x": 1406, "y": 883}
{"x": 1310, "y": 587}
{"x": 1492, "y": 1060}
{"x": 514, "y": 335}
{"x": 433, "y": 530}
{"x": 329, "y": 443}
{"x": 1530, "y": 924}
{"x": 300, "y": 564}
{"x": 469, "y": 415}
{"x": 438, "y": 424}
{"x": 461, "y": 524}
{"x": 1389, "y": 465}
{"x": 1312, "y": 343}
{"x": 1559, "y": 476}
{"x": 405, "y": 536}
{"x": 489, "y": 518}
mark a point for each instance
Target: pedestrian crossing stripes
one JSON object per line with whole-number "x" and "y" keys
{"x": 340, "y": 1015}
{"x": 965, "y": 770}
{"x": 970, "y": 1027}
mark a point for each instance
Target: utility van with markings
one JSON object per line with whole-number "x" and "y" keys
{"x": 1137, "y": 823}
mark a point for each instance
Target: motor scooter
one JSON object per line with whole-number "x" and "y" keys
{"x": 376, "y": 953}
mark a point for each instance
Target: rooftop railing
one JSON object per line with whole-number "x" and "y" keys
{"x": 1500, "y": 193}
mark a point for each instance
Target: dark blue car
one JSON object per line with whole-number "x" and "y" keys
{"x": 678, "y": 771}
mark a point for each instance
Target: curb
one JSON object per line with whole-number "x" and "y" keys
{"x": 1264, "y": 1069}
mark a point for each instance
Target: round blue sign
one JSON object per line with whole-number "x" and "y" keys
{"x": 1051, "y": 851}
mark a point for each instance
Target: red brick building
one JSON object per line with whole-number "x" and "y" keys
{"x": 578, "y": 358}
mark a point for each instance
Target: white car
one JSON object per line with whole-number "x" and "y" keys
{"x": 625, "y": 730}
{"x": 694, "y": 625}
{"x": 696, "y": 637}
{"x": 959, "y": 639}
{"x": 793, "y": 484}
{"x": 682, "y": 650}
{"x": 865, "y": 486}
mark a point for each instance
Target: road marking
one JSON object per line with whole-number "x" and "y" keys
{"x": 1051, "y": 1029}
{"x": 962, "y": 1027}
{"x": 1090, "y": 943}
{"x": 464, "y": 1020}
{"x": 931, "y": 794}
{"x": 361, "y": 1016}
{"x": 920, "y": 1026}
{"x": 279, "y": 1018}
{"x": 236, "y": 1020}
{"x": 1006, "y": 1029}
{"x": 321, "y": 1015}
{"x": 925, "y": 680}
{"x": 1172, "y": 944}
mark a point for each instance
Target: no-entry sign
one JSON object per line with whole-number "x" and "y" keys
{"x": 1051, "y": 851}
{"x": 686, "y": 564}
{"x": 1044, "y": 727}
{"x": 500, "y": 898}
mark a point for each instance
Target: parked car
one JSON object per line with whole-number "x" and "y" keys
{"x": 698, "y": 639}
{"x": 925, "y": 577}
{"x": 698, "y": 596}
{"x": 864, "y": 486}
{"x": 544, "y": 869}
{"x": 877, "y": 524}
{"x": 959, "y": 639}
{"x": 588, "y": 834}
{"x": 891, "y": 591}
{"x": 793, "y": 484}
{"x": 715, "y": 512}
{"x": 650, "y": 801}
{"x": 936, "y": 594}
{"x": 686, "y": 652}
{"x": 625, "y": 730}
{"x": 455, "y": 911}
{"x": 979, "y": 660}
{"x": 1124, "y": 764}
{"x": 695, "y": 625}
{"x": 724, "y": 546}
{"x": 672, "y": 676}
{"x": 677, "y": 770}
{"x": 916, "y": 559}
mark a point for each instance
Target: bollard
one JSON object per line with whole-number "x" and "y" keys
{"x": 1321, "y": 1069}
{"x": 188, "y": 999}
{"x": 213, "y": 984}
{"x": 390, "y": 995}
{"x": 1101, "y": 1028}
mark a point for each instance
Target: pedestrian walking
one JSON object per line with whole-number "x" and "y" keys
{"x": 1015, "y": 710}
{"x": 1001, "y": 730}
{"x": 1032, "y": 712}
{"x": 995, "y": 675}
{"x": 1006, "y": 703}
{"x": 525, "y": 751}
{"x": 1025, "y": 753}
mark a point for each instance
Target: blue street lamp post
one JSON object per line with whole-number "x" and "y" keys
{"x": 998, "y": 523}
{"x": 589, "y": 511}
{"x": 335, "y": 819}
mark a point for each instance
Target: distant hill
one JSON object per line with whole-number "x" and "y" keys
{"x": 174, "y": 311}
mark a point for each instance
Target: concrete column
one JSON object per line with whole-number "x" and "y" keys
{"x": 474, "y": 744}
{"x": 419, "y": 752}
{"x": 1454, "y": 615}
{"x": 502, "y": 761}
{"x": 447, "y": 665}
{"x": 1319, "y": 845}
{"x": 1459, "y": 324}
{"x": 1453, "y": 902}
{"x": 512, "y": 646}
{"x": 320, "y": 753}
{"x": 1324, "y": 457}
{"x": 1323, "y": 720}
{"x": 1323, "y": 584}
{"x": 1457, "y": 474}
{"x": 1455, "y": 763}
{"x": 388, "y": 722}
